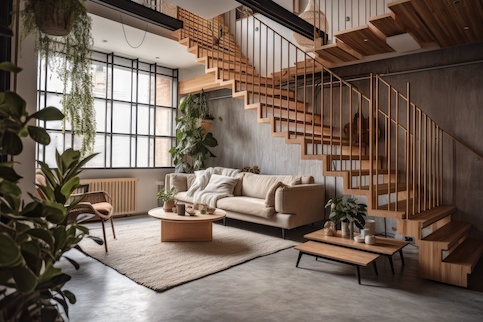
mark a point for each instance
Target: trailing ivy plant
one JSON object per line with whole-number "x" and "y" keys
{"x": 34, "y": 234}
{"x": 69, "y": 56}
{"x": 192, "y": 148}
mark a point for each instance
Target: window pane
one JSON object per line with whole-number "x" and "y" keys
{"x": 144, "y": 88}
{"x": 122, "y": 84}
{"x": 163, "y": 91}
{"x": 99, "y": 147}
{"x": 163, "y": 157}
{"x": 99, "y": 78}
{"x": 120, "y": 151}
{"x": 142, "y": 152}
{"x": 143, "y": 119}
{"x": 100, "y": 107}
{"x": 163, "y": 121}
{"x": 121, "y": 121}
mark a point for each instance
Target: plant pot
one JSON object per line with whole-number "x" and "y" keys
{"x": 205, "y": 125}
{"x": 168, "y": 205}
{"x": 344, "y": 227}
{"x": 54, "y": 17}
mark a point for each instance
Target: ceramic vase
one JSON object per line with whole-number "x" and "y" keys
{"x": 344, "y": 227}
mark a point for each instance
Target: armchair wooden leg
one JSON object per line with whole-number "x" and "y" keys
{"x": 112, "y": 226}
{"x": 104, "y": 234}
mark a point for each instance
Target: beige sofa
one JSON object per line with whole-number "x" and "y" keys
{"x": 279, "y": 201}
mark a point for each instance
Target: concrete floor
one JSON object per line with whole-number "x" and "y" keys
{"x": 270, "y": 288}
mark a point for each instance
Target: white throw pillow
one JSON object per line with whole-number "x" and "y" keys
{"x": 198, "y": 181}
{"x": 221, "y": 184}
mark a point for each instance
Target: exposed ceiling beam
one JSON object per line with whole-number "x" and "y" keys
{"x": 144, "y": 13}
{"x": 282, "y": 16}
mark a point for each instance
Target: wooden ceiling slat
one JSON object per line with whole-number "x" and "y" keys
{"x": 364, "y": 41}
{"x": 387, "y": 25}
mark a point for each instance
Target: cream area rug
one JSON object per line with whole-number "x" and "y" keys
{"x": 139, "y": 254}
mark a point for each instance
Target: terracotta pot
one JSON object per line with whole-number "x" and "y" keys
{"x": 168, "y": 205}
{"x": 54, "y": 17}
{"x": 205, "y": 125}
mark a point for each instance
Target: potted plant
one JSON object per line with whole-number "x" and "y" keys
{"x": 348, "y": 212}
{"x": 167, "y": 197}
{"x": 193, "y": 143}
{"x": 62, "y": 30}
{"x": 34, "y": 234}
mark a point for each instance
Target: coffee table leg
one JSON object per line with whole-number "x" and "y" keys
{"x": 298, "y": 259}
{"x": 402, "y": 257}
{"x": 389, "y": 257}
{"x": 358, "y": 271}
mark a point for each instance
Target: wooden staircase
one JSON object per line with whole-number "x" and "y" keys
{"x": 397, "y": 166}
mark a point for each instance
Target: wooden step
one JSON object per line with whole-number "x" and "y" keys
{"x": 462, "y": 261}
{"x": 229, "y": 67}
{"x": 467, "y": 254}
{"x": 284, "y": 115}
{"x": 431, "y": 216}
{"x": 448, "y": 235}
{"x": 283, "y": 103}
{"x": 265, "y": 90}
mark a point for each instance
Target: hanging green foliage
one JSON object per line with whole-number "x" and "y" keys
{"x": 62, "y": 30}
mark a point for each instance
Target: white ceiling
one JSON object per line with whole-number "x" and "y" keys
{"x": 109, "y": 37}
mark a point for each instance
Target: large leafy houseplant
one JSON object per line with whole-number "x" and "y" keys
{"x": 192, "y": 148}
{"x": 62, "y": 30}
{"x": 34, "y": 234}
{"x": 347, "y": 209}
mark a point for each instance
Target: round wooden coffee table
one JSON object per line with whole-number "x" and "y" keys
{"x": 186, "y": 228}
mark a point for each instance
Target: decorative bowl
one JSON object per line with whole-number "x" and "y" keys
{"x": 359, "y": 239}
{"x": 191, "y": 211}
{"x": 211, "y": 210}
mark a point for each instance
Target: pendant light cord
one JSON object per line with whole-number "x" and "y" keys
{"x": 125, "y": 36}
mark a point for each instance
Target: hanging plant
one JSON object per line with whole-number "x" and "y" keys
{"x": 62, "y": 30}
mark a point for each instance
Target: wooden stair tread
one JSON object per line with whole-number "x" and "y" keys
{"x": 449, "y": 233}
{"x": 431, "y": 216}
{"x": 383, "y": 188}
{"x": 467, "y": 253}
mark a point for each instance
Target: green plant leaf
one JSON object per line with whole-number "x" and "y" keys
{"x": 10, "y": 67}
{"x": 31, "y": 254}
{"x": 49, "y": 113}
{"x": 13, "y": 105}
{"x": 25, "y": 279}
{"x": 39, "y": 134}
{"x": 10, "y": 254}
{"x": 70, "y": 296}
{"x": 11, "y": 143}
{"x": 42, "y": 234}
{"x": 70, "y": 186}
{"x": 60, "y": 236}
{"x": 9, "y": 174}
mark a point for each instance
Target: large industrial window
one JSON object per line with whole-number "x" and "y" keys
{"x": 135, "y": 105}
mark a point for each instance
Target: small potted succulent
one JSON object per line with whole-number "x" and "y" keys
{"x": 167, "y": 197}
{"x": 348, "y": 212}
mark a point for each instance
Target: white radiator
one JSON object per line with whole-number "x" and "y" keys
{"x": 123, "y": 192}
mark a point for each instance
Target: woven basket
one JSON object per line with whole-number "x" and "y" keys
{"x": 55, "y": 18}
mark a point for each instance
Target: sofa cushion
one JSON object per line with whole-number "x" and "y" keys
{"x": 237, "y": 191}
{"x": 199, "y": 183}
{"x": 183, "y": 197}
{"x": 246, "y": 205}
{"x": 257, "y": 185}
{"x": 221, "y": 184}
{"x": 178, "y": 181}
{"x": 270, "y": 198}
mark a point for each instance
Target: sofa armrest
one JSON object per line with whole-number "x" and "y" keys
{"x": 304, "y": 199}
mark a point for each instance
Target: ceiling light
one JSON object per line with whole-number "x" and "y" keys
{"x": 366, "y": 40}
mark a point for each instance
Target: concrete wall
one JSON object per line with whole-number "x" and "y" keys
{"x": 451, "y": 95}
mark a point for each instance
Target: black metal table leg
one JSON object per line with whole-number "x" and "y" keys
{"x": 375, "y": 268}
{"x": 389, "y": 257}
{"x": 298, "y": 259}
{"x": 402, "y": 257}
{"x": 358, "y": 274}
